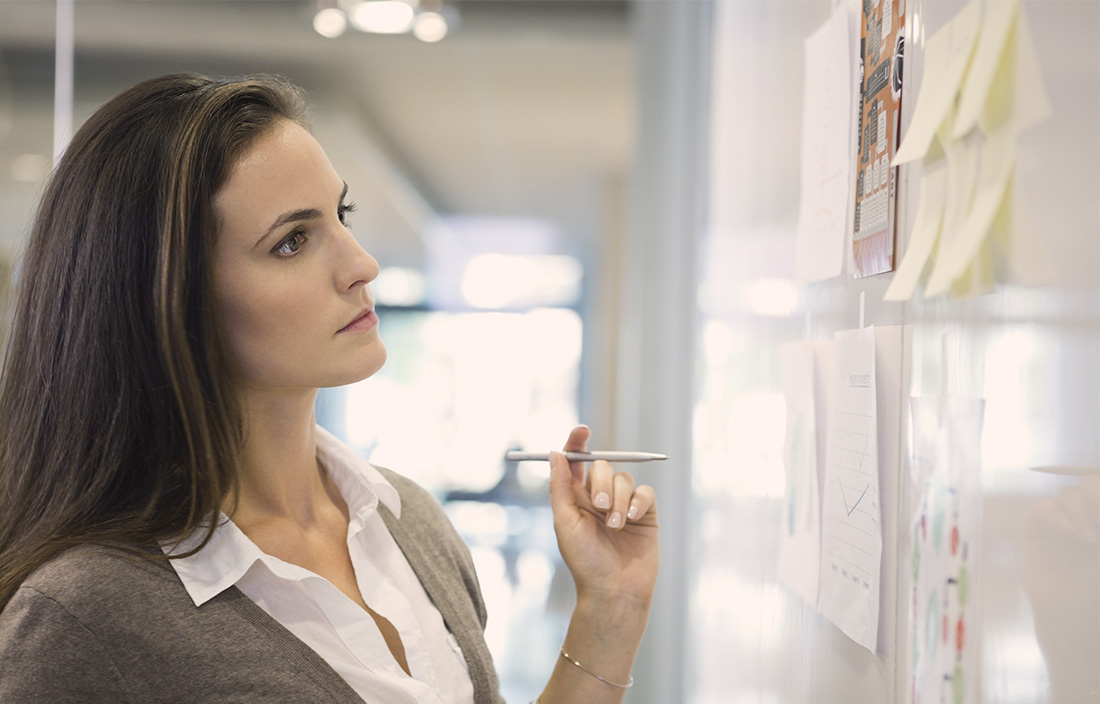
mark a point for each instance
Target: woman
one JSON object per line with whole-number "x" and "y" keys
{"x": 190, "y": 282}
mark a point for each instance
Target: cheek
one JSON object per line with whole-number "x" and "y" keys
{"x": 266, "y": 328}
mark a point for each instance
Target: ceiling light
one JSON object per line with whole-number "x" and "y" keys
{"x": 430, "y": 27}
{"x": 330, "y": 22}
{"x": 383, "y": 16}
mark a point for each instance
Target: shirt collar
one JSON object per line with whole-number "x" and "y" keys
{"x": 224, "y": 560}
{"x": 218, "y": 565}
{"x": 356, "y": 478}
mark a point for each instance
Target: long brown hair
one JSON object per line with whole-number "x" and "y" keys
{"x": 117, "y": 421}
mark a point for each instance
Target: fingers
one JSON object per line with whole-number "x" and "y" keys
{"x": 642, "y": 504}
{"x": 622, "y": 492}
{"x": 578, "y": 439}
{"x": 615, "y": 494}
{"x": 577, "y": 442}
{"x": 562, "y": 497}
{"x": 600, "y": 486}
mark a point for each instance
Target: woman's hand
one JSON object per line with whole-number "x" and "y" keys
{"x": 606, "y": 528}
{"x": 607, "y": 533}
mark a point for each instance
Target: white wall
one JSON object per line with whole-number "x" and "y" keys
{"x": 1031, "y": 353}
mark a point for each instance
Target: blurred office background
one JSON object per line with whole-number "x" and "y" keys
{"x": 489, "y": 148}
{"x": 585, "y": 211}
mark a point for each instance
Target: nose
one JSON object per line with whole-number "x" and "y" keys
{"x": 354, "y": 265}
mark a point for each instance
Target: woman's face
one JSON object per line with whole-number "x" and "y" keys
{"x": 290, "y": 280}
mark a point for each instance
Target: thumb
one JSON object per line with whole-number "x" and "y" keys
{"x": 562, "y": 499}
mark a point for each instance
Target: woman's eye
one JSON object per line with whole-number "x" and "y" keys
{"x": 291, "y": 245}
{"x": 344, "y": 210}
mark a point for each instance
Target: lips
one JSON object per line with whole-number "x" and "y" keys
{"x": 364, "y": 321}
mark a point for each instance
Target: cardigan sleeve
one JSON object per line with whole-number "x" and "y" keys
{"x": 47, "y": 655}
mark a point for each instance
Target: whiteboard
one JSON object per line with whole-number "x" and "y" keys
{"x": 1033, "y": 355}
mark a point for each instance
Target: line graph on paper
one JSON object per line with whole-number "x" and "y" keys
{"x": 851, "y": 495}
{"x": 851, "y": 532}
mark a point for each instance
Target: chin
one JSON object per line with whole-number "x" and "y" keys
{"x": 367, "y": 367}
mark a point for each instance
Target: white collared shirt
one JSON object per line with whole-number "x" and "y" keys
{"x": 322, "y": 616}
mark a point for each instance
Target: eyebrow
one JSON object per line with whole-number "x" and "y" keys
{"x": 295, "y": 216}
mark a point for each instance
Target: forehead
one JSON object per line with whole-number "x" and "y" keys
{"x": 284, "y": 169}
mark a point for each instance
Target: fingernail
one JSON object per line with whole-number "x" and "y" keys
{"x": 602, "y": 500}
{"x": 633, "y": 512}
{"x": 614, "y": 520}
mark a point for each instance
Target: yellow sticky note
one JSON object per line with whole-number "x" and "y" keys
{"x": 1024, "y": 254}
{"x": 978, "y": 279}
{"x": 962, "y": 171}
{"x": 926, "y": 228}
{"x": 946, "y": 57}
{"x": 998, "y": 162}
{"x": 1017, "y": 94}
{"x": 1000, "y": 18}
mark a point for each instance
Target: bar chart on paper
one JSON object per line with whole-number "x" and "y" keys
{"x": 851, "y": 545}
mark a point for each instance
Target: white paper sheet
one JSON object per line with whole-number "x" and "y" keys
{"x": 922, "y": 239}
{"x": 851, "y": 529}
{"x": 826, "y": 154}
{"x": 800, "y": 530}
{"x": 855, "y": 84}
{"x": 946, "y": 58}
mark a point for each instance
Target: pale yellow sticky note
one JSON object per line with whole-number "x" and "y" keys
{"x": 978, "y": 279}
{"x": 1027, "y": 259}
{"x": 998, "y": 161}
{"x": 937, "y": 150}
{"x": 946, "y": 57}
{"x": 926, "y": 227}
{"x": 962, "y": 170}
{"x": 1017, "y": 94}
{"x": 1000, "y": 17}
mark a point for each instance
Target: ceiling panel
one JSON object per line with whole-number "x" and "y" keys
{"x": 526, "y": 109}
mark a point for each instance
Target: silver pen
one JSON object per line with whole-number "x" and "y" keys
{"x": 610, "y": 456}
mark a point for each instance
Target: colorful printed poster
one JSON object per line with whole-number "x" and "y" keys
{"x": 882, "y": 42}
{"x": 946, "y": 503}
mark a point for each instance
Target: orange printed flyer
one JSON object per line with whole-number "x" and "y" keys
{"x": 881, "y": 45}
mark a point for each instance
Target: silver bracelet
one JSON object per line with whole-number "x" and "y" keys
{"x": 585, "y": 670}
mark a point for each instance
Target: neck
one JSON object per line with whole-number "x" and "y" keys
{"x": 279, "y": 476}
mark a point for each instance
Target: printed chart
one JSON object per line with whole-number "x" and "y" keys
{"x": 853, "y": 514}
{"x": 800, "y": 533}
{"x": 851, "y": 542}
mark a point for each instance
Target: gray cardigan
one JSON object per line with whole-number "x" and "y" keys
{"x": 101, "y": 625}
